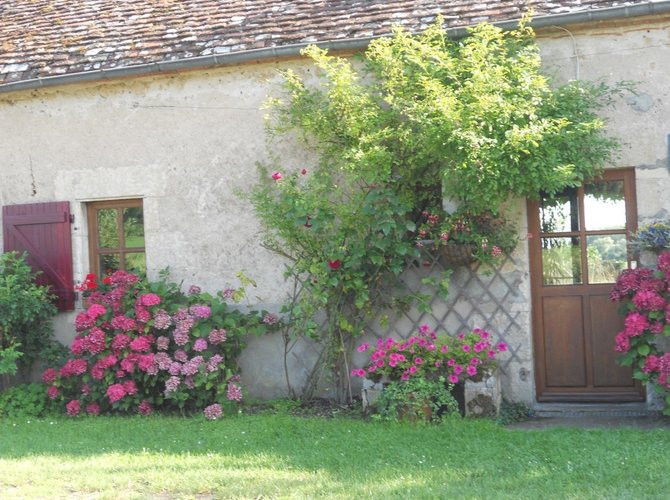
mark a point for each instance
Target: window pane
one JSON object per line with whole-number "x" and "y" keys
{"x": 604, "y": 206}
{"x": 108, "y": 233}
{"x": 560, "y": 213}
{"x": 561, "y": 261}
{"x": 133, "y": 227}
{"x": 136, "y": 262}
{"x": 606, "y": 256}
{"x": 109, "y": 263}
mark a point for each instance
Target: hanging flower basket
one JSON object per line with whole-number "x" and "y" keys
{"x": 450, "y": 255}
{"x": 455, "y": 254}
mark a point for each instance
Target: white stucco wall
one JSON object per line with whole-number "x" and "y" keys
{"x": 187, "y": 143}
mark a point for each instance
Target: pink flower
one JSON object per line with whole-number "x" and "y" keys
{"x": 83, "y": 322}
{"x": 418, "y": 360}
{"x": 635, "y": 324}
{"x": 145, "y": 408}
{"x": 194, "y": 290}
{"x": 123, "y": 323}
{"x": 162, "y": 320}
{"x": 53, "y": 392}
{"x": 146, "y": 362}
{"x": 49, "y": 375}
{"x": 303, "y": 171}
{"x": 73, "y": 367}
{"x": 471, "y": 370}
{"x": 465, "y": 348}
{"x": 162, "y": 343}
{"x": 149, "y": 299}
{"x": 234, "y": 393}
{"x": 363, "y": 347}
{"x": 270, "y": 319}
{"x": 181, "y": 356}
{"x": 93, "y": 409}
{"x": 140, "y": 344}
{"x": 453, "y": 379}
{"x": 130, "y": 387}
{"x": 444, "y": 349}
{"x": 412, "y": 369}
{"x": 120, "y": 342}
{"x": 95, "y": 311}
{"x": 78, "y": 346}
{"x": 85, "y": 390}
{"x": 276, "y": 176}
{"x": 458, "y": 369}
{"x": 217, "y": 336}
{"x": 622, "y": 342}
{"x": 502, "y": 347}
{"x": 73, "y": 408}
{"x": 212, "y": 412}
{"x": 200, "y": 311}
{"x": 115, "y": 392}
{"x": 649, "y": 300}
{"x": 199, "y": 345}
{"x": 405, "y": 376}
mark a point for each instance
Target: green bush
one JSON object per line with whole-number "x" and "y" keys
{"x": 25, "y": 400}
{"x": 416, "y": 400}
{"x": 25, "y": 315}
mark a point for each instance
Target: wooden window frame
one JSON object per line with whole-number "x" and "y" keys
{"x": 94, "y": 249}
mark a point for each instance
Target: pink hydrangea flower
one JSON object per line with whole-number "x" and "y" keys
{"x": 73, "y": 408}
{"x": 200, "y": 311}
{"x": 149, "y": 299}
{"x": 140, "y": 344}
{"x": 53, "y": 392}
{"x": 199, "y": 345}
{"x": 212, "y": 412}
{"x": 93, "y": 409}
{"x": 115, "y": 392}
{"x": 49, "y": 375}
{"x": 145, "y": 408}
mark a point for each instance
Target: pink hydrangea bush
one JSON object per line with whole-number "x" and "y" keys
{"x": 429, "y": 356}
{"x": 142, "y": 347}
{"x": 644, "y": 295}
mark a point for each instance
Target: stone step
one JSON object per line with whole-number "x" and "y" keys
{"x": 545, "y": 410}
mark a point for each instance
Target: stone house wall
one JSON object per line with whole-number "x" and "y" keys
{"x": 187, "y": 143}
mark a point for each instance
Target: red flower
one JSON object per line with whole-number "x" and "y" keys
{"x": 335, "y": 264}
{"x": 276, "y": 176}
{"x": 107, "y": 280}
{"x": 303, "y": 171}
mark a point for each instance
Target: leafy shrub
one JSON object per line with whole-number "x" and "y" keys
{"x": 25, "y": 315}
{"x": 25, "y": 400}
{"x": 145, "y": 345}
{"x": 416, "y": 400}
{"x": 511, "y": 413}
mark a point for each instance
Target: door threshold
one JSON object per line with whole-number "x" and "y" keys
{"x": 640, "y": 409}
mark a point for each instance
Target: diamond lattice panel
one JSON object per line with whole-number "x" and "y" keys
{"x": 476, "y": 299}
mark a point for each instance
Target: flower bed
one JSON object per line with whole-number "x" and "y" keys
{"x": 144, "y": 346}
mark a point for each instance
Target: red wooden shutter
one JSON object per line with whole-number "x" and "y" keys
{"x": 43, "y": 231}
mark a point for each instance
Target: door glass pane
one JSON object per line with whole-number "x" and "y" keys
{"x": 607, "y": 257}
{"x": 604, "y": 205}
{"x": 136, "y": 263}
{"x": 561, "y": 261}
{"x": 108, "y": 234}
{"x": 109, "y": 263}
{"x": 560, "y": 213}
{"x": 133, "y": 227}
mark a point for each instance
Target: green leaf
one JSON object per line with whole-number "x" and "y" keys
{"x": 643, "y": 349}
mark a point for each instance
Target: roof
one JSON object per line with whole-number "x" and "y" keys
{"x": 46, "y": 38}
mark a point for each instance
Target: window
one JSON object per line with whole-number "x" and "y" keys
{"x": 116, "y": 236}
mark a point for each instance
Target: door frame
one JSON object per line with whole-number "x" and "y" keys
{"x": 543, "y": 392}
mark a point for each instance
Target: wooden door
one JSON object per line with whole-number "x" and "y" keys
{"x": 578, "y": 246}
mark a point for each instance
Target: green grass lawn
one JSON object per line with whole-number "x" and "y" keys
{"x": 277, "y": 456}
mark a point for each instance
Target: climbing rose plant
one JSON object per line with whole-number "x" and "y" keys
{"x": 143, "y": 346}
{"x": 645, "y": 297}
{"x": 421, "y": 117}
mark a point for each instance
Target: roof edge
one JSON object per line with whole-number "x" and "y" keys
{"x": 291, "y": 51}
